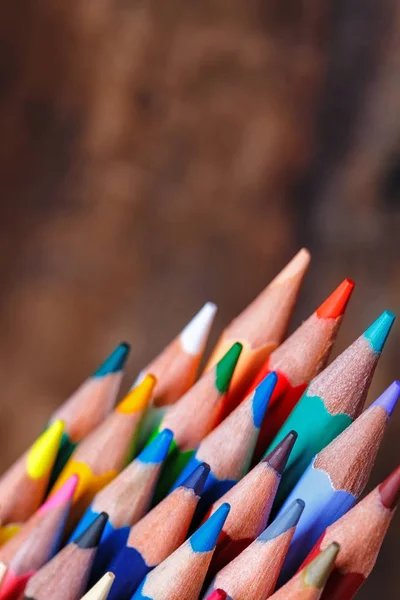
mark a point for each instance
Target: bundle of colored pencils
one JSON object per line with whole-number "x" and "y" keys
{"x": 243, "y": 483}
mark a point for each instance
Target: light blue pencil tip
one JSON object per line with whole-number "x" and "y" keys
{"x": 284, "y": 522}
{"x": 389, "y": 398}
{"x": 378, "y": 332}
{"x": 157, "y": 450}
{"x": 115, "y": 362}
{"x": 206, "y": 537}
{"x": 262, "y": 397}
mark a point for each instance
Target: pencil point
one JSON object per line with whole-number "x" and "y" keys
{"x": 138, "y": 398}
{"x": 389, "y": 398}
{"x": 217, "y": 595}
{"x": 283, "y": 523}
{"x": 206, "y": 537}
{"x": 298, "y": 263}
{"x": 378, "y": 332}
{"x": 318, "y": 571}
{"x": 278, "y": 457}
{"x": 90, "y": 538}
{"x": 43, "y": 452}
{"x": 65, "y": 492}
{"x": 194, "y": 336}
{"x": 335, "y": 305}
{"x": 115, "y": 362}
{"x": 226, "y": 366}
{"x": 101, "y": 589}
{"x": 156, "y": 451}
{"x": 197, "y": 479}
{"x": 389, "y": 489}
{"x": 261, "y": 398}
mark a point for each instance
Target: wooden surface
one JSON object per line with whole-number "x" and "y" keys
{"x": 157, "y": 155}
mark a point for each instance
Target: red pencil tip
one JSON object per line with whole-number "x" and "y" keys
{"x": 389, "y": 489}
{"x": 335, "y": 305}
{"x": 217, "y": 595}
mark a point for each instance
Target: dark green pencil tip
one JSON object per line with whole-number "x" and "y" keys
{"x": 226, "y": 366}
{"x": 115, "y": 362}
{"x": 90, "y": 538}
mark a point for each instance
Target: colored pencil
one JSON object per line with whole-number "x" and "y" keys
{"x": 194, "y": 416}
{"x": 253, "y": 573}
{"x": 88, "y": 406}
{"x": 101, "y": 589}
{"x": 299, "y": 359}
{"x": 360, "y": 533}
{"x": 336, "y": 477}
{"x": 24, "y": 485}
{"x": 217, "y": 595}
{"x": 65, "y": 576}
{"x": 103, "y": 453}
{"x": 261, "y": 327}
{"x": 310, "y": 582}
{"x": 333, "y": 399}
{"x": 184, "y": 571}
{"x": 228, "y": 449}
{"x": 60, "y": 499}
{"x": 176, "y": 368}
{"x": 126, "y": 500}
{"x": 157, "y": 535}
{"x": 250, "y": 500}
{"x": 3, "y": 571}
{"x": 41, "y": 544}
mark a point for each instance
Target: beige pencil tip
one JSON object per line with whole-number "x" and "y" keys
{"x": 295, "y": 268}
{"x": 101, "y": 589}
{"x": 194, "y": 335}
{"x": 318, "y": 571}
{"x": 3, "y": 571}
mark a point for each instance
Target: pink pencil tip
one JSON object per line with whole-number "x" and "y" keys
{"x": 62, "y": 495}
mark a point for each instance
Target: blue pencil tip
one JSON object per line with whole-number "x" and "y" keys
{"x": 284, "y": 522}
{"x": 197, "y": 478}
{"x": 262, "y": 396}
{"x": 206, "y": 537}
{"x": 115, "y": 362}
{"x": 378, "y": 332}
{"x": 157, "y": 450}
{"x": 389, "y": 398}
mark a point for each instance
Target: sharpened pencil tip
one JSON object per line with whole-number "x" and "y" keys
{"x": 335, "y": 305}
{"x": 262, "y": 396}
{"x": 217, "y": 595}
{"x": 206, "y": 537}
{"x": 138, "y": 398}
{"x": 226, "y": 367}
{"x": 90, "y": 538}
{"x": 197, "y": 479}
{"x": 156, "y": 451}
{"x": 378, "y": 332}
{"x": 101, "y": 589}
{"x": 389, "y": 398}
{"x": 43, "y": 452}
{"x": 284, "y": 522}
{"x": 194, "y": 336}
{"x": 64, "y": 493}
{"x": 318, "y": 571}
{"x": 115, "y": 362}
{"x": 278, "y": 457}
{"x": 389, "y": 490}
{"x": 298, "y": 265}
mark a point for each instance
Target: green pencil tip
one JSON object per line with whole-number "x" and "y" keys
{"x": 226, "y": 366}
{"x": 378, "y": 332}
{"x": 318, "y": 571}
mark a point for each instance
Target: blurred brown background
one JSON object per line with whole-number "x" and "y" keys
{"x": 154, "y": 155}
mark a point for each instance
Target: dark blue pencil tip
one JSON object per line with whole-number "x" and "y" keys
{"x": 206, "y": 537}
{"x": 378, "y": 332}
{"x": 115, "y": 362}
{"x": 389, "y": 398}
{"x": 261, "y": 398}
{"x": 197, "y": 478}
{"x": 157, "y": 450}
{"x": 284, "y": 522}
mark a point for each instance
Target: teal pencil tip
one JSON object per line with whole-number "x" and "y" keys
{"x": 206, "y": 537}
{"x": 261, "y": 398}
{"x": 156, "y": 451}
{"x": 378, "y": 332}
{"x": 115, "y": 362}
{"x": 226, "y": 366}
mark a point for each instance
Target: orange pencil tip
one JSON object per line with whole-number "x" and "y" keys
{"x": 335, "y": 305}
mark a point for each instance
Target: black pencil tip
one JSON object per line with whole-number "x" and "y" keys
{"x": 90, "y": 538}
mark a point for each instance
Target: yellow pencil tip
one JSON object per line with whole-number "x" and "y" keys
{"x": 139, "y": 397}
{"x": 43, "y": 453}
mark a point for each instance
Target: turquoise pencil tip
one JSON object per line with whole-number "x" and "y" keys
{"x": 197, "y": 479}
{"x": 283, "y": 523}
{"x": 389, "y": 398}
{"x": 206, "y": 537}
{"x": 115, "y": 362}
{"x": 157, "y": 450}
{"x": 378, "y": 332}
{"x": 261, "y": 398}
